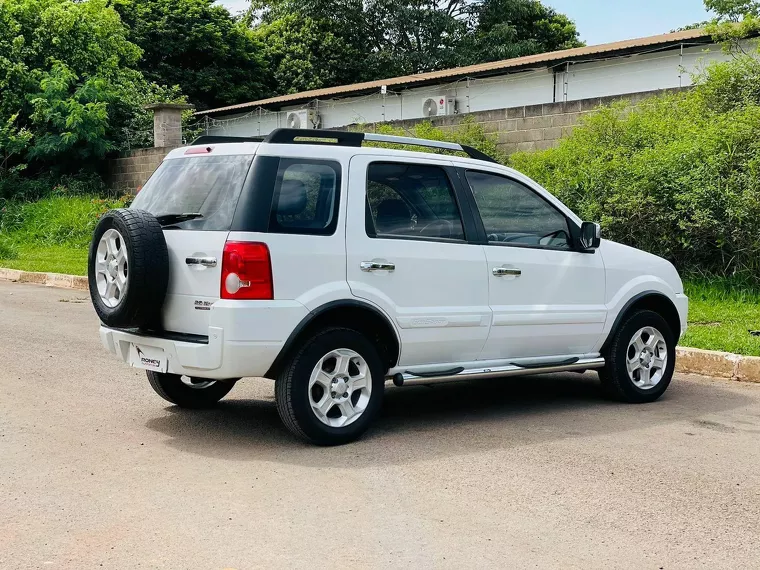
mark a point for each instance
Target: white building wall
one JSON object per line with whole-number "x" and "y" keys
{"x": 601, "y": 78}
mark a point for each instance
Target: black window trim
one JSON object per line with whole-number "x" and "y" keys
{"x": 572, "y": 226}
{"x": 465, "y": 213}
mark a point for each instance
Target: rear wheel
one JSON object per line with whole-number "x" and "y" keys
{"x": 186, "y": 392}
{"x": 332, "y": 389}
{"x": 640, "y": 360}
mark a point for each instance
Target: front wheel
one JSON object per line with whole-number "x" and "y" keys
{"x": 640, "y": 360}
{"x": 332, "y": 389}
{"x": 186, "y": 392}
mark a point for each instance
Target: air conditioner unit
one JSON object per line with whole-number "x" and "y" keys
{"x": 303, "y": 119}
{"x": 439, "y": 105}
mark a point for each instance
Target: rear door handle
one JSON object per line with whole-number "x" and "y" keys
{"x": 205, "y": 261}
{"x": 377, "y": 266}
{"x": 502, "y": 271}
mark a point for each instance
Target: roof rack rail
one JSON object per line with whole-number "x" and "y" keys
{"x": 355, "y": 139}
{"x": 215, "y": 139}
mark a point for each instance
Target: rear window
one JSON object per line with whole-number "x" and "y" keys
{"x": 208, "y": 185}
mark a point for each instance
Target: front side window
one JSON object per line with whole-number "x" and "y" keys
{"x": 513, "y": 214}
{"x": 412, "y": 201}
{"x": 305, "y": 197}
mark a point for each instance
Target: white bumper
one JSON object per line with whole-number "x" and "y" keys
{"x": 244, "y": 338}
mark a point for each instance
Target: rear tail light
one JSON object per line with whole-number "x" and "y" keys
{"x": 246, "y": 271}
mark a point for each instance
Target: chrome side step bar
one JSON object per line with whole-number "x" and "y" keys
{"x": 408, "y": 379}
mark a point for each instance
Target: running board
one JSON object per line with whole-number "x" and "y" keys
{"x": 408, "y": 379}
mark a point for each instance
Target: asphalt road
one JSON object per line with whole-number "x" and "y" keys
{"x": 97, "y": 471}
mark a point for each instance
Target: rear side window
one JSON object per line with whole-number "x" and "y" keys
{"x": 413, "y": 201}
{"x": 306, "y": 197}
{"x": 208, "y": 185}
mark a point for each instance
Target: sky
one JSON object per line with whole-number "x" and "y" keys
{"x": 603, "y": 21}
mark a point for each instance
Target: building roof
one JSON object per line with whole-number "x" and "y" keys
{"x": 549, "y": 59}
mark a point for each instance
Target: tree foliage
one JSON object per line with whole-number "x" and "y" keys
{"x": 374, "y": 39}
{"x": 198, "y": 46}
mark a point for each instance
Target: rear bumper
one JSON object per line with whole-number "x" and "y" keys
{"x": 240, "y": 342}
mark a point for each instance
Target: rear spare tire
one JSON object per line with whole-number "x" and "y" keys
{"x": 128, "y": 269}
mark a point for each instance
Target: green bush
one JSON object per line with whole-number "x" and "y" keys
{"x": 467, "y": 132}
{"x": 677, "y": 175}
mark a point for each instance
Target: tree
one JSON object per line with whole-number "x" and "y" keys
{"x": 305, "y": 53}
{"x": 513, "y": 28}
{"x": 198, "y": 46}
{"x": 67, "y": 72}
{"x": 733, "y": 10}
{"x": 386, "y": 38}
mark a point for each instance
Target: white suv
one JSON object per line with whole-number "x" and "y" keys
{"x": 333, "y": 268}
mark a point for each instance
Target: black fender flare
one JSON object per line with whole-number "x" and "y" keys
{"x": 314, "y": 315}
{"x": 660, "y": 297}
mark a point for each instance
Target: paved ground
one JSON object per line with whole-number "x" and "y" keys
{"x": 95, "y": 470}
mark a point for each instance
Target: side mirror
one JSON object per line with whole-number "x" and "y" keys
{"x": 591, "y": 236}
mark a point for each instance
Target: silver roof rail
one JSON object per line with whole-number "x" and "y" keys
{"x": 346, "y": 138}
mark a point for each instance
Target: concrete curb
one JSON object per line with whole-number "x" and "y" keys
{"x": 689, "y": 360}
{"x": 48, "y": 279}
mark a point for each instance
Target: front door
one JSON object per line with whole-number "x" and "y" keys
{"x": 407, "y": 253}
{"x": 547, "y": 299}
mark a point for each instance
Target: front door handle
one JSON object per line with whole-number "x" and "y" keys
{"x": 502, "y": 271}
{"x": 205, "y": 261}
{"x": 376, "y": 266}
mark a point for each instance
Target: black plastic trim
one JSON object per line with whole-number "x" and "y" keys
{"x": 436, "y": 373}
{"x": 166, "y": 335}
{"x": 308, "y": 319}
{"x": 255, "y": 202}
{"x": 546, "y": 364}
{"x": 289, "y": 136}
{"x": 638, "y": 297}
{"x": 215, "y": 139}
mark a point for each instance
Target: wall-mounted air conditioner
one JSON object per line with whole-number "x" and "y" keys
{"x": 438, "y": 105}
{"x": 303, "y": 119}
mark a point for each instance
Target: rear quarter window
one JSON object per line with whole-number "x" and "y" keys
{"x": 208, "y": 185}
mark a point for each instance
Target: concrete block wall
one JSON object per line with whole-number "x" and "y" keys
{"x": 129, "y": 172}
{"x": 530, "y": 127}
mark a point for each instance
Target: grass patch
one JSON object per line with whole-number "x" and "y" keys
{"x": 721, "y": 316}
{"x": 52, "y": 234}
{"x": 69, "y": 260}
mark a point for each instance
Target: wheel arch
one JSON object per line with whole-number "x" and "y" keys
{"x": 349, "y": 313}
{"x": 647, "y": 300}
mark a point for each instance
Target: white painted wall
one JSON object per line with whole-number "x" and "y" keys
{"x": 600, "y": 78}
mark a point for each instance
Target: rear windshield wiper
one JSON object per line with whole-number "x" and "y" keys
{"x": 167, "y": 219}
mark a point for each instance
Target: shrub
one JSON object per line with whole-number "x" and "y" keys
{"x": 676, "y": 175}
{"x": 467, "y": 132}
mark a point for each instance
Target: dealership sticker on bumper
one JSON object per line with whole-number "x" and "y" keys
{"x": 148, "y": 357}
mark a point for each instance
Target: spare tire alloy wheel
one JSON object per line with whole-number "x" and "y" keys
{"x": 111, "y": 268}
{"x": 128, "y": 269}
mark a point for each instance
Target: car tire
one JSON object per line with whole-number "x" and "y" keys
{"x": 640, "y": 360}
{"x": 308, "y": 395}
{"x": 128, "y": 269}
{"x": 193, "y": 393}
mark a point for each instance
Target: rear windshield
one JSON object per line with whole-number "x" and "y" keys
{"x": 207, "y": 185}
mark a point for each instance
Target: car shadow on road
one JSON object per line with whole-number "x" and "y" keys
{"x": 422, "y": 423}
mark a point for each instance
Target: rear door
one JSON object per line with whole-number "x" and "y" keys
{"x": 408, "y": 253}
{"x": 205, "y": 186}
